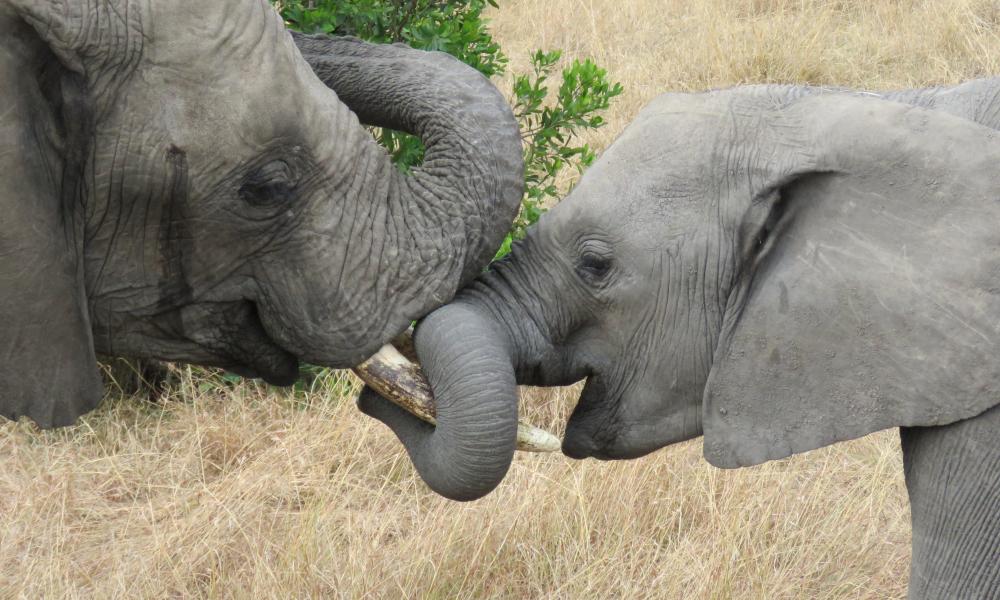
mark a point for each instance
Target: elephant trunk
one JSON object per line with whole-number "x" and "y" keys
{"x": 474, "y": 352}
{"x": 444, "y": 221}
{"x": 461, "y": 200}
{"x": 467, "y": 358}
{"x": 394, "y": 374}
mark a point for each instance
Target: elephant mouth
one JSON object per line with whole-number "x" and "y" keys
{"x": 232, "y": 333}
{"x": 589, "y": 424}
{"x": 596, "y": 428}
{"x": 599, "y": 428}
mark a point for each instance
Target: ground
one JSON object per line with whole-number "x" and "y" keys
{"x": 237, "y": 490}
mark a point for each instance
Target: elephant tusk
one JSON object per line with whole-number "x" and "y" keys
{"x": 404, "y": 343}
{"x": 402, "y": 382}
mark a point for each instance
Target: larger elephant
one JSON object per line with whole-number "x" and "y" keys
{"x": 177, "y": 183}
{"x": 776, "y": 268}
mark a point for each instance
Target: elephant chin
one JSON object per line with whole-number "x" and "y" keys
{"x": 597, "y": 429}
{"x": 278, "y": 368}
{"x": 234, "y": 335}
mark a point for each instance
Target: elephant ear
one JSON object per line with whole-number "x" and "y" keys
{"x": 48, "y": 369}
{"x": 869, "y": 295}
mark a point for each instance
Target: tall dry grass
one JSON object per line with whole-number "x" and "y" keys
{"x": 245, "y": 492}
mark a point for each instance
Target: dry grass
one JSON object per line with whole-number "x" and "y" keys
{"x": 243, "y": 491}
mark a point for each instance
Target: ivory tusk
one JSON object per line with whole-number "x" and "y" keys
{"x": 404, "y": 343}
{"x": 403, "y": 383}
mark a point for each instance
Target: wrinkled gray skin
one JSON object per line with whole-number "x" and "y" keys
{"x": 777, "y": 268}
{"x": 177, "y": 183}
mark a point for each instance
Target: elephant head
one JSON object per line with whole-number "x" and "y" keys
{"x": 777, "y": 268}
{"x": 177, "y": 183}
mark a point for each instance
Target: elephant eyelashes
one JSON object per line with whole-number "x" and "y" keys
{"x": 593, "y": 266}
{"x": 270, "y": 185}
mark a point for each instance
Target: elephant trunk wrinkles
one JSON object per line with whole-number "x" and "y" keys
{"x": 467, "y": 359}
{"x": 453, "y": 210}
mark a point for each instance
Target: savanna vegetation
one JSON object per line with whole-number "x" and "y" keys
{"x": 227, "y": 488}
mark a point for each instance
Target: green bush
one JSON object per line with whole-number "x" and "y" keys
{"x": 549, "y": 131}
{"x": 549, "y": 126}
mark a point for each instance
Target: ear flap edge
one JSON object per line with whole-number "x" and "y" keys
{"x": 48, "y": 367}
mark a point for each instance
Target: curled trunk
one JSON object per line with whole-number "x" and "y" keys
{"x": 467, "y": 359}
{"x": 395, "y": 376}
{"x": 443, "y": 222}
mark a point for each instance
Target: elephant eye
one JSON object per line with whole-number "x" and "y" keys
{"x": 593, "y": 266}
{"x": 270, "y": 185}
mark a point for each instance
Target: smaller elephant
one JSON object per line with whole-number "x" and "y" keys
{"x": 776, "y": 268}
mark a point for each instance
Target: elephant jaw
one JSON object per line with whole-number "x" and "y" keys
{"x": 236, "y": 340}
{"x": 391, "y": 373}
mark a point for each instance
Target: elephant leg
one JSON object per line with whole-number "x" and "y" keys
{"x": 953, "y": 479}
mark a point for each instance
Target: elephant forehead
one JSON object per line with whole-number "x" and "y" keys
{"x": 662, "y": 155}
{"x": 200, "y": 108}
{"x": 220, "y": 51}
{"x": 663, "y": 176}
{"x": 196, "y": 34}
{"x": 658, "y": 196}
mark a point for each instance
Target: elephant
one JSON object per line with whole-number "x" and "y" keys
{"x": 189, "y": 181}
{"x": 775, "y": 268}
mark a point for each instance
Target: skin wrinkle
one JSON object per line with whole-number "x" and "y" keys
{"x": 359, "y": 175}
{"x": 430, "y": 250}
{"x": 106, "y": 243}
{"x": 554, "y": 321}
{"x": 48, "y": 166}
{"x": 119, "y": 59}
{"x": 378, "y": 211}
{"x": 497, "y": 283}
{"x": 366, "y": 327}
{"x": 418, "y": 238}
{"x": 114, "y": 191}
{"x": 952, "y": 478}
